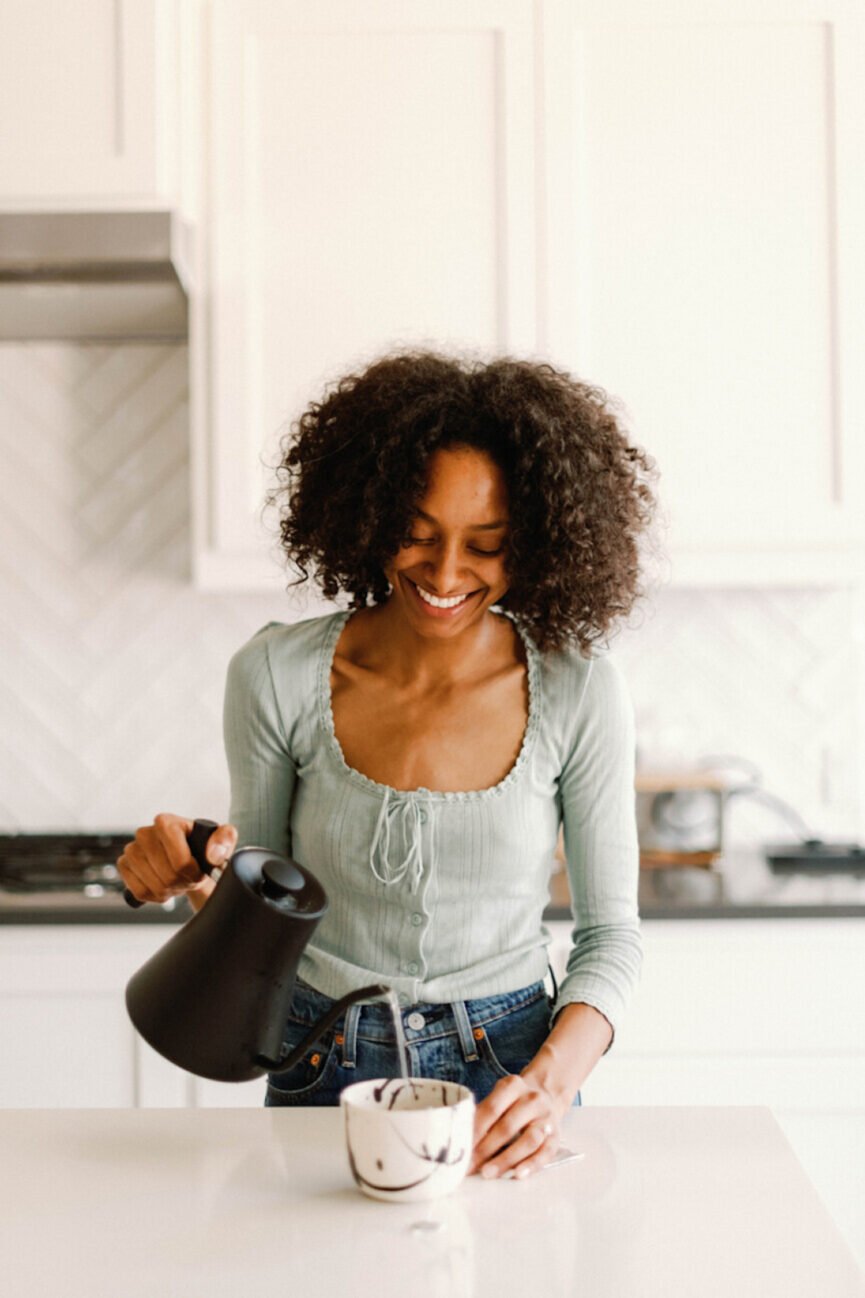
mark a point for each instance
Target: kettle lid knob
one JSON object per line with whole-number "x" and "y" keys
{"x": 279, "y": 878}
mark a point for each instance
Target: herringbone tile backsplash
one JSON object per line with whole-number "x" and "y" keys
{"x": 113, "y": 665}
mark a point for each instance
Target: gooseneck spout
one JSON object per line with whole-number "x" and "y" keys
{"x": 287, "y": 1062}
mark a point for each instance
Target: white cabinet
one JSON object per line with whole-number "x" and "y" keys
{"x": 740, "y": 1012}
{"x": 665, "y": 199}
{"x": 752, "y": 1012}
{"x": 67, "y": 1041}
{"x": 371, "y": 184}
{"x": 88, "y": 98}
{"x": 706, "y": 255}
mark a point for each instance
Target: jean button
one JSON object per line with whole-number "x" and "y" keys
{"x": 415, "y": 1021}
{"x": 416, "y": 920}
{"x": 422, "y": 816}
{"x": 412, "y": 967}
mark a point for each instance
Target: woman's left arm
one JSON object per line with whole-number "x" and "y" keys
{"x": 516, "y": 1127}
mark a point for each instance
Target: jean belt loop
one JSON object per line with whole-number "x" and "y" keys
{"x": 464, "y": 1028}
{"x": 349, "y": 1032}
{"x": 555, "y": 995}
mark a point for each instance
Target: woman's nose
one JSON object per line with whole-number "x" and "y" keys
{"x": 445, "y": 569}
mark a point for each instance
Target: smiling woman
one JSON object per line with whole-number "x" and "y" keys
{"x": 419, "y": 750}
{"x": 575, "y": 492}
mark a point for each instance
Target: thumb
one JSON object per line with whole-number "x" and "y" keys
{"x": 221, "y": 844}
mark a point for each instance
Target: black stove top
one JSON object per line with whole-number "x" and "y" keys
{"x": 61, "y": 862}
{"x": 70, "y": 876}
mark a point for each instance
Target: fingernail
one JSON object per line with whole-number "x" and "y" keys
{"x": 521, "y": 1173}
{"x": 488, "y": 1173}
{"x": 220, "y": 851}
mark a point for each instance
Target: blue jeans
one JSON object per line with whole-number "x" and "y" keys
{"x": 474, "y": 1042}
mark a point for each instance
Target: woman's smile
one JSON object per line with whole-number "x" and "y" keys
{"x": 439, "y": 605}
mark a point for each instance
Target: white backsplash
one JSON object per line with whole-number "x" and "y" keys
{"x": 113, "y": 665}
{"x": 773, "y": 678}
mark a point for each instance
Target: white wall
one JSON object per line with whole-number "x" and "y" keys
{"x": 113, "y": 666}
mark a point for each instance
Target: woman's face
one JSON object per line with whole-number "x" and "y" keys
{"x": 453, "y": 567}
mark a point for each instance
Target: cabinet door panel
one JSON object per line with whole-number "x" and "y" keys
{"x": 228, "y": 1095}
{"x": 704, "y": 154}
{"x": 77, "y": 100}
{"x": 67, "y": 1041}
{"x": 66, "y": 1051}
{"x": 372, "y": 187}
{"x": 791, "y": 1084}
{"x": 753, "y": 987}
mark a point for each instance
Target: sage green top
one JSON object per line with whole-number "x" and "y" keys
{"x": 441, "y": 895}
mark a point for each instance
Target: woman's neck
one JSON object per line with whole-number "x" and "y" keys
{"x": 387, "y": 643}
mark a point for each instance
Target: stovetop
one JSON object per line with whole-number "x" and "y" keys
{"x": 71, "y": 878}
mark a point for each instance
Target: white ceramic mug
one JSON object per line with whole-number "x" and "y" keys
{"x": 408, "y": 1139}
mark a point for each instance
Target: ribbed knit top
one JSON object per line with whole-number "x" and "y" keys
{"x": 441, "y": 894}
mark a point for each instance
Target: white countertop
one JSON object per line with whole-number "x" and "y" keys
{"x": 672, "y": 1202}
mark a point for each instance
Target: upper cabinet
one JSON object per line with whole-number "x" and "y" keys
{"x": 88, "y": 95}
{"x": 665, "y": 199}
{"x": 371, "y": 185}
{"x": 705, "y": 218}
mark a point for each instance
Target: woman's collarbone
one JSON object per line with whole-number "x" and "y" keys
{"x": 450, "y": 740}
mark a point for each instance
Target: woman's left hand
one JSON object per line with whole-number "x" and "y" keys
{"x": 516, "y": 1129}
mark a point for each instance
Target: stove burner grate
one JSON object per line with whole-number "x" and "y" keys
{"x": 39, "y": 863}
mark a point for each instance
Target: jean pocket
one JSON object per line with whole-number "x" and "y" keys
{"x": 512, "y": 1041}
{"x": 310, "y": 1072}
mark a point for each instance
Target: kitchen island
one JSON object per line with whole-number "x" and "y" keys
{"x": 665, "y": 1203}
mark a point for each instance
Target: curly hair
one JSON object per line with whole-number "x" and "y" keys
{"x": 354, "y": 469}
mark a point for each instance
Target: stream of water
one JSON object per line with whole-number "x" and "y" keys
{"x": 401, "y": 1047}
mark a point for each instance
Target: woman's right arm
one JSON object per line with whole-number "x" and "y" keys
{"x": 261, "y": 765}
{"x": 158, "y": 864}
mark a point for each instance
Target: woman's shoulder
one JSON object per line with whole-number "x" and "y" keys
{"x": 284, "y": 649}
{"x": 580, "y": 689}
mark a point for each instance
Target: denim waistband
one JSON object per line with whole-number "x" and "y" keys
{"x": 424, "y": 1021}
{"x": 374, "y": 1018}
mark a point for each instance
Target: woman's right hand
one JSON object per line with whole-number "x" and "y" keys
{"x": 158, "y": 864}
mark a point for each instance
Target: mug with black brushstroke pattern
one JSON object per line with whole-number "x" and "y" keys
{"x": 408, "y": 1139}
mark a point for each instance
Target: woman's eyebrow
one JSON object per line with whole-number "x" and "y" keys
{"x": 472, "y": 527}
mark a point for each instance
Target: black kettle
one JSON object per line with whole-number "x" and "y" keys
{"x": 215, "y": 998}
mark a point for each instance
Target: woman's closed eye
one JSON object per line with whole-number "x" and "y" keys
{"x": 428, "y": 540}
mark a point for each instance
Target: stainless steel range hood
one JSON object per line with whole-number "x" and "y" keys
{"x": 94, "y": 276}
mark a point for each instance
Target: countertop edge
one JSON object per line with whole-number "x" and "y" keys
{"x": 848, "y": 911}
{"x": 151, "y": 917}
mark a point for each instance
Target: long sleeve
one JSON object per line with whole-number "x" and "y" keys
{"x": 601, "y": 849}
{"x": 260, "y": 765}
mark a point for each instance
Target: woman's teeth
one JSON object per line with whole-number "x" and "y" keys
{"x": 436, "y": 602}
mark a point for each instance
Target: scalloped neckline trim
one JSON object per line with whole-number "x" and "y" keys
{"x": 325, "y": 665}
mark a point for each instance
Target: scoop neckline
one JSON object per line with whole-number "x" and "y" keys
{"x": 328, "y": 647}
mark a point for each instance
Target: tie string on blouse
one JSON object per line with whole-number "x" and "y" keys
{"x": 401, "y": 820}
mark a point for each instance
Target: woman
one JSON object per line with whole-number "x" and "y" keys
{"x": 420, "y": 750}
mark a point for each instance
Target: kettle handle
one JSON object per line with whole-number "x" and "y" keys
{"x": 197, "y": 838}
